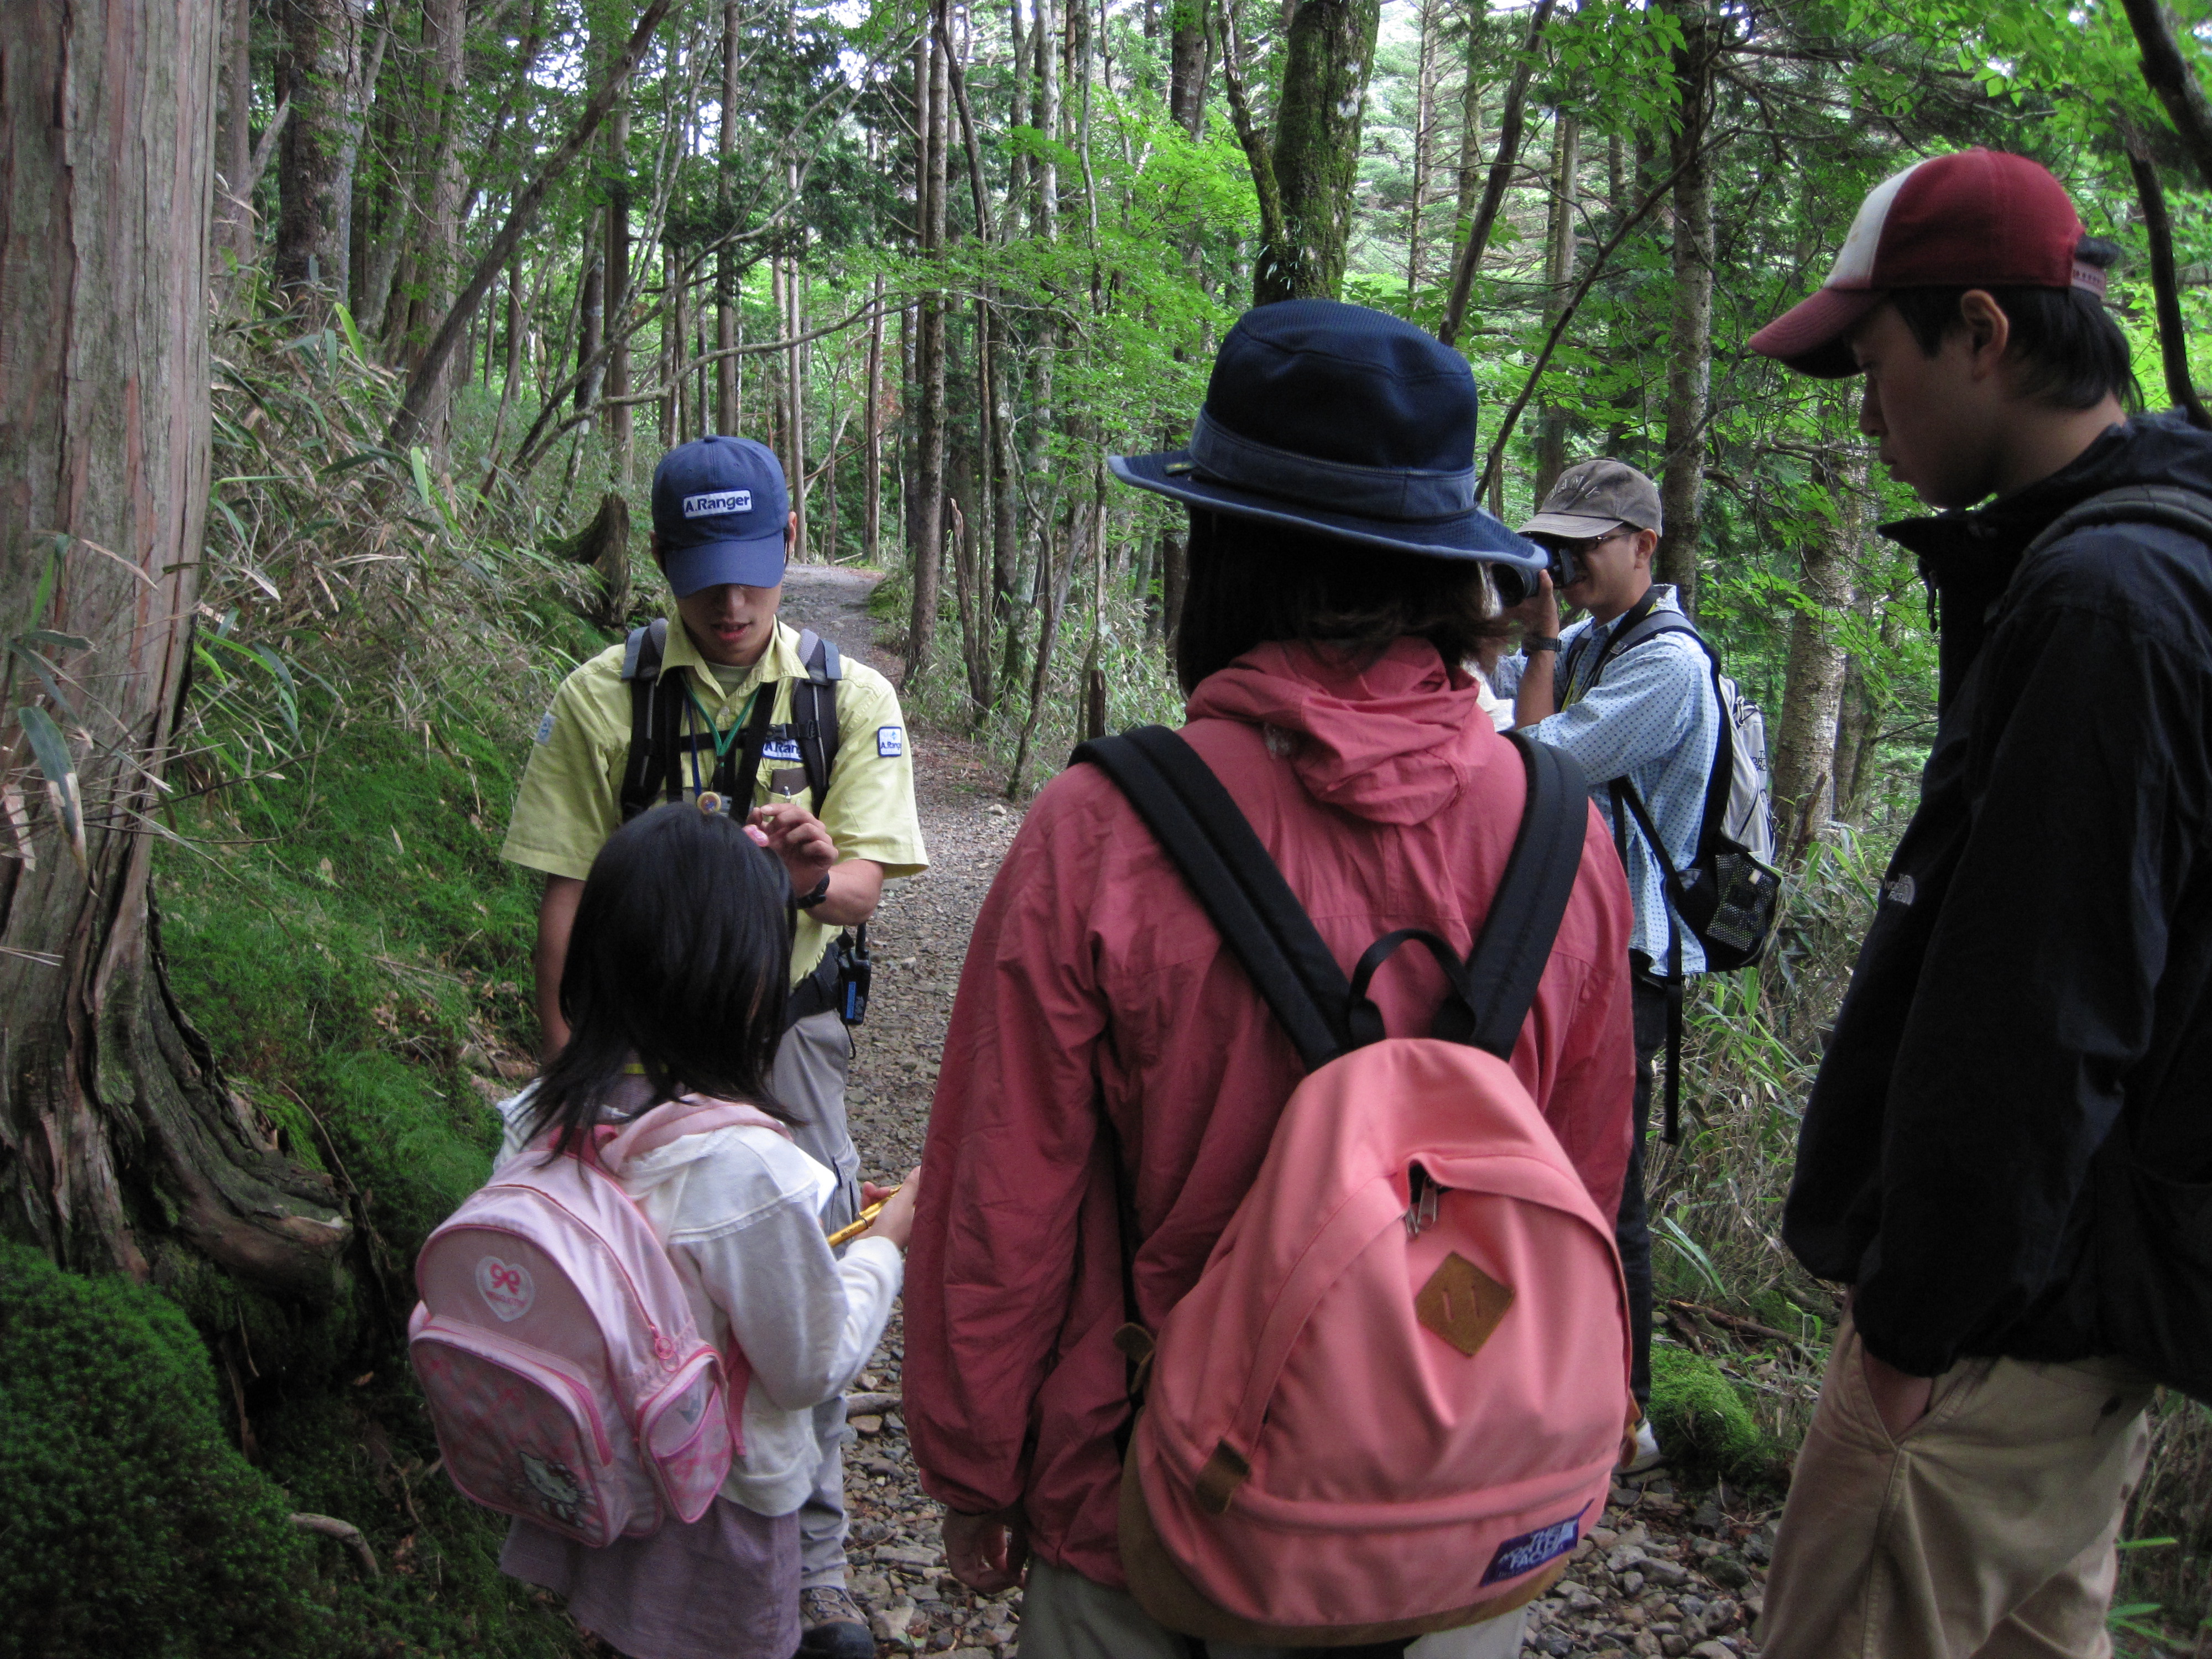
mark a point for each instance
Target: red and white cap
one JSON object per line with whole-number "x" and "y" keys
{"x": 1977, "y": 219}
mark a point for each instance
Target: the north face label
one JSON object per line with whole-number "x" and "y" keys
{"x": 722, "y": 501}
{"x": 1532, "y": 1549}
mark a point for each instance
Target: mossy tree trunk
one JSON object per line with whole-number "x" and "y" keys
{"x": 1316, "y": 154}
{"x": 120, "y": 1147}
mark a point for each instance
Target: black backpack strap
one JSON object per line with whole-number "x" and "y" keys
{"x": 1230, "y": 873}
{"x": 1504, "y": 969}
{"x": 651, "y": 764}
{"x": 1624, "y": 793}
{"x": 814, "y": 711}
{"x": 2168, "y": 505}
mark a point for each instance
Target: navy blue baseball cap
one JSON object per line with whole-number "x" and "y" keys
{"x": 1343, "y": 420}
{"x": 719, "y": 508}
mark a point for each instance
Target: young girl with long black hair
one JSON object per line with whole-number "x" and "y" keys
{"x": 673, "y": 988}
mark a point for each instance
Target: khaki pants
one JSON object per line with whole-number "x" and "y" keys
{"x": 1986, "y": 1532}
{"x": 809, "y": 1079}
{"x": 1067, "y": 1616}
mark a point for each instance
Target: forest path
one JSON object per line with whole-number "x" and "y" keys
{"x": 1667, "y": 1574}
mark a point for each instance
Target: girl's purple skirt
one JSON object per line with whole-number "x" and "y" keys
{"x": 725, "y": 1587}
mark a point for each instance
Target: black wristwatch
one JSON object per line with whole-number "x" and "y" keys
{"x": 808, "y": 901}
{"x": 1531, "y": 642}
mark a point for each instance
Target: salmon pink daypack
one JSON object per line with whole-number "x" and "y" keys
{"x": 564, "y": 1371}
{"x": 1394, "y": 1401}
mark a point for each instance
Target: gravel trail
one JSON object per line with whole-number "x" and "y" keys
{"x": 1667, "y": 1574}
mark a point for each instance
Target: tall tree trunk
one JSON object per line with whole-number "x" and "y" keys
{"x": 794, "y": 360}
{"x": 444, "y": 72}
{"x": 592, "y": 318}
{"x": 1689, "y": 348}
{"x": 1330, "y": 53}
{"x": 1805, "y": 744}
{"x": 928, "y": 552}
{"x": 1424, "y": 122}
{"x": 357, "y": 121}
{"x": 621, "y": 428}
{"x": 322, "y": 69}
{"x": 726, "y": 261}
{"x": 1510, "y": 121}
{"x": 871, "y": 438}
{"x": 233, "y": 144}
{"x": 1559, "y": 277}
{"x": 120, "y": 1147}
{"x": 1187, "y": 57}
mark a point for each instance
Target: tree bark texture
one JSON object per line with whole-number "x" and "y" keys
{"x": 1689, "y": 355}
{"x": 121, "y": 1147}
{"x": 1424, "y": 121}
{"x": 1330, "y": 53}
{"x": 445, "y": 83}
{"x": 233, "y": 148}
{"x": 1805, "y": 740}
{"x": 322, "y": 69}
{"x": 1186, "y": 65}
{"x": 2166, "y": 72}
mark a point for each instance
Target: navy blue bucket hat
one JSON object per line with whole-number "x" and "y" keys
{"x": 1341, "y": 420}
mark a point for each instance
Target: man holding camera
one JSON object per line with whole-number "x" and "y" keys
{"x": 1642, "y": 711}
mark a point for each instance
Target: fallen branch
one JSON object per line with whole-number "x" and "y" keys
{"x": 346, "y": 1533}
{"x": 1747, "y": 1327}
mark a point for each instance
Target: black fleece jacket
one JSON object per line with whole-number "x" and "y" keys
{"x": 2029, "y": 1027}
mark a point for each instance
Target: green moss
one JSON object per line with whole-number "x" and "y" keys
{"x": 133, "y": 1526}
{"x": 1704, "y": 1423}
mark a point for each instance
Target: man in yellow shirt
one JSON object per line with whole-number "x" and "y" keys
{"x": 730, "y": 712}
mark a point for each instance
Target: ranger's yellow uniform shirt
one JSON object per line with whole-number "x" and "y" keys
{"x": 570, "y": 800}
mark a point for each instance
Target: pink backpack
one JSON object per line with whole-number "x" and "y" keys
{"x": 1394, "y": 1399}
{"x": 564, "y": 1372}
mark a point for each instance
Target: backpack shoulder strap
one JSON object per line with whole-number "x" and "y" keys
{"x": 1516, "y": 941}
{"x": 1234, "y": 878}
{"x": 652, "y": 756}
{"x": 2169, "y": 505}
{"x": 814, "y": 710}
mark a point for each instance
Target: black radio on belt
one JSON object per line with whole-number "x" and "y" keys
{"x": 855, "y": 972}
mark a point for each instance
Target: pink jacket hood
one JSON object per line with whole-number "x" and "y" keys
{"x": 1393, "y": 742}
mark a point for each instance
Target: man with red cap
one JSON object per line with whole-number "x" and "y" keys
{"x": 2006, "y": 1155}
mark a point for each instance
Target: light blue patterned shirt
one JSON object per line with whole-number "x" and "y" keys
{"x": 1652, "y": 719}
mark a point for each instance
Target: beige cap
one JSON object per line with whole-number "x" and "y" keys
{"x": 1591, "y": 497}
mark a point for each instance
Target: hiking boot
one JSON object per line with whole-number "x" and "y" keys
{"x": 832, "y": 1626}
{"x": 1648, "y": 1455}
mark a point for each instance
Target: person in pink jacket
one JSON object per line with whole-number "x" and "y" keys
{"x": 1339, "y": 578}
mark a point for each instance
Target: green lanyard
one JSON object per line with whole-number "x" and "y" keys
{"x": 722, "y": 743}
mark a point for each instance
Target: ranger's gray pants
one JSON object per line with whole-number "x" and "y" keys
{"x": 809, "y": 1080}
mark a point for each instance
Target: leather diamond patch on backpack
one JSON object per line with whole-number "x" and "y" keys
{"x": 1462, "y": 1303}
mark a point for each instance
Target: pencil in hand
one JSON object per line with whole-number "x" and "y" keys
{"x": 861, "y": 1222}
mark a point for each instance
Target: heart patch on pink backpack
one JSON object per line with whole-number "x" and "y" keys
{"x": 505, "y": 1287}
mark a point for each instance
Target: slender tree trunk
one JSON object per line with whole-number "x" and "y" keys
{"x": 726, "y": 262}
{"x": 929, "y": 482}
{"x": 322, "y": 67}
{"x": 1558, "y": 278}
{"x": 1470, "y": 136}
{"x": 872, "y": 439}
{"x": 1805, "y": 744}
{"x": 671, "y": 365}
{"x": 795, "y": 381}
{"x": 592, "y": 309}
{"x": 1689, "y": 349}
{"x": 1424, "y": 121}
{"x": 363, "y": 95}
{"x": 1330, "y": 54}
{"x": 234, "y": 147}
{"x": 444, "y": 70}
{"x": 1510, "y": 121}
{"x": 621, "y": 428}
{"x": 1187, "y": 55}
{"x": 123, "y": 1149}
